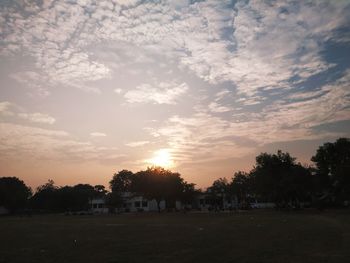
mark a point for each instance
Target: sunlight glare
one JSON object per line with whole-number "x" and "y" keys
{"x": 162, "y": 158}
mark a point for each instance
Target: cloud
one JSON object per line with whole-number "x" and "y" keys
{"x": 33, "y": 81}
{"x": 137, "y": 143}
{"x": 11, "y": 109}
{"x": 204, "y": 136}
{"x": 294, "y": 117}
{"x": 37, "y": 117}
{"x": 215, "y": 107}
{"x": 98, "y": 134}
{"x": 5, "y": 108}
{"x": 272, "y": 42}
{"x": 200, "y": 138}
{"x": 162, "y": 93}
{"x": 256, "y": 45}
{"x": 237, "y": 54}
{"x": 20, "y": 141}
{"x": 51, "y": 36}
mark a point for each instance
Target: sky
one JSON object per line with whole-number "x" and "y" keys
{"x": 91, "y": 87}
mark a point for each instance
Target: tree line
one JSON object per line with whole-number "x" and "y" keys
{"x": 276, "y": 178}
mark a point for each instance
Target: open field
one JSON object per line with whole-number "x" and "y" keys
{"x": 252, "y": 236}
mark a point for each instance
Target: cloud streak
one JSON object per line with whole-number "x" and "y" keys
{"x": 98, "y": 134}
{"x": 11, "y": 109}
{"x": 162, "y": 93}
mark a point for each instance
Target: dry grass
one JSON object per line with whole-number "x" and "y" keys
{"x": 252, "y": 236}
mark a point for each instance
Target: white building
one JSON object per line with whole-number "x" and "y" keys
{"x": 202, "y": 202}
{"x": 98, "y": 206}
{"x": 131, "y": 203}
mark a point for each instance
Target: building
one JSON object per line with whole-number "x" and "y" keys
{"x": 98, "y": 206}
{"x": 202, "y": 202}
{"x": 131, "y": 203}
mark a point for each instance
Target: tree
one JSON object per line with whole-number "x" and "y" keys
{"x": 159, "y": 184}
{"x": 100, "y": 190}
{"x": 218, "y": 192}
{"x": 188, "y": 193}
{"x": 14, "y": 193}
{"x": 49, "y": 197}
{"x": 81, "y": 196}
{"x": 278, "y": 178}
{"x": 240, "y": 187}
{"x": 333, "y": 169}
{"x": 121, "y": 183}
{"x": 45, "y": 197}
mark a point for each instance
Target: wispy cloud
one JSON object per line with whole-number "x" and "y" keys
{"x": 270, "y": 42}
{"x": 161, "y": 93}
{"x": 200, "y": 138}
{"x": 21, "y": 141}
{"x": 284, "y": 120}
{"x": 215, "y": 107}
{"x": 5, "y": 108}
{"x": 37, "y": 117}
{"x": 98, "y": 134}
{"x": 137, "y": 143}
{"x": 11, "y": 109}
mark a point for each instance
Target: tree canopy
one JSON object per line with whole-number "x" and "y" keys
{"x": 49, "y": 197}
{"x": 333, "y": 168}
{"x": 159, "y": 184}
{"x": 14, "y": 194}
{"x": 278, "y": 178}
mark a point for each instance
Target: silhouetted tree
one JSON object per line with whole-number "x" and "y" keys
{"x": 45, "y": 197}
{"x": 240, "y": 187}
{"x": 49, "y": 197}
{"x": 333, "y": 169}
{"x": 14, "y": 193}
{"x": 82, "y": 194}
{"x": 100, "y": 190}
{"x": 278, "y": 178}
{"x": 121, "y": 183}
{"x": 159, "y": 184}
{"x": 189, "y": 193}
{"x": 218, "y": 192}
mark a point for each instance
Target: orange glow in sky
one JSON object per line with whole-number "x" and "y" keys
{"x": 162, "y": 158}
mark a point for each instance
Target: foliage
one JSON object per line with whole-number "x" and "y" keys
{"x": 240, "y": 186}
{"x": 333, "y": 169}
{"x": 100, "y": 190}
{"x": 217, "y": 192}
{"x": 188, "y": 192}
{"x": 278, "y": 178}
{"x": 159, "y": 184}
{"x": 14, "y": 193}
{"x": 121, "y": 183}
{"x": 49, "y": 197}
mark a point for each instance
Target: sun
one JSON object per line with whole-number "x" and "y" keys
{"x": 162, "y": 158}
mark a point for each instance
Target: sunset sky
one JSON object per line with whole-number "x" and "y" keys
{"x": 88, "y": 88}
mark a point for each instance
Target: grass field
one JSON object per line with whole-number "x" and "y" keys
{"x": 252, "y": 236}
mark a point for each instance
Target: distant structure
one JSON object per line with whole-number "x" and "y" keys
{"x": 202, "y": 202}
{"x": 131, "y": 203}
{"x": 98, "y": 206}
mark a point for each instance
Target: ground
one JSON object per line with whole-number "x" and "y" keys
{"x": 251, "y": 236}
